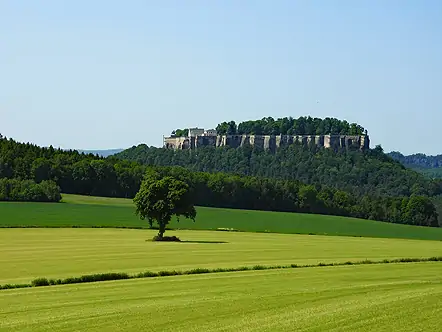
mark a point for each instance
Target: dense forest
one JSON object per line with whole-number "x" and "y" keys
{"x": 359, "y": 173}
{"x": 87, "y": 174}
{"x": 247, "y": 192}
{"x": 431, "y": 166}
{"x": 286, "y": 126}
{"x": 74, "y": 172}
{"x": 29, "y": 191}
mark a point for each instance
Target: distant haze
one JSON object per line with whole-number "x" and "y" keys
{"x": 102, "y": 153}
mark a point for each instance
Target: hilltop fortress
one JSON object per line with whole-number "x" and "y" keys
{"x": 198, "y": 137}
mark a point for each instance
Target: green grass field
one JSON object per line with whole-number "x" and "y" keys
{"x": 396, "y": 297}
{"x": 26, "y": 254}
{"x": 84, "y": 211}
{"x": 388, "y": 297}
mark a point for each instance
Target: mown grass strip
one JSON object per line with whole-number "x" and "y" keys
{"x": 41, "y": 282}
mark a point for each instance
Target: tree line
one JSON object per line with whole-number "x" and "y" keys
{"x": 86, "y": 174}
{"x": 29, "y": 191}
{"x": 257, "y": 193}
{"x": 74, "y": 172}
{"x": 290, "y": 126}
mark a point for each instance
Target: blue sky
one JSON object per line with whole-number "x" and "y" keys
{"x": 110, "y": 74}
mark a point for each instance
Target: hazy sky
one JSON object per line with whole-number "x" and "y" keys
{"x": 112, "y": 74}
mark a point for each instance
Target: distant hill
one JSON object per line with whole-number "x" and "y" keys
{"x": 367, "y": 172}
{"x": 102, "y": 153}
{"x": 361, "y": 173}
{"x": 428, "y": 165}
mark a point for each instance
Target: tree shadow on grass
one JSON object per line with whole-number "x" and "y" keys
{"x": 202, "y": 241}
{"x": 190, "y": 241}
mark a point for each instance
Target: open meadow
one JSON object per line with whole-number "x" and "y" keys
{"x": 393, "y": 297}
{"x": 62, "y": 240}
{"x": 26, "y": 254}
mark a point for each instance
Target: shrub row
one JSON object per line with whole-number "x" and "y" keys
{"x": 39, "y": 282}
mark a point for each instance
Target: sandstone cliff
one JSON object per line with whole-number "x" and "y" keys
{"x": 268, "y": 142}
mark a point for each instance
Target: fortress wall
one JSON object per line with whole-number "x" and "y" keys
{"x": 268, "y": 142}
{"x": 177, "y": 143}
{"x": 245, "y": 140}
{"x": 206, "y": 141}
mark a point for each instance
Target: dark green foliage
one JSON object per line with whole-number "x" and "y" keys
{"x": 289, "y": 126}
{"x": 198, "y": 271}
{"x": 78, "y": 280}
{"x": 255, "y": 193}
{"x": 14, "y": 286}
{"x": 437, "y": 202}
{"x": 29, "y": 191}
{"x": 180, "y": 133}
{"x": 148, "y": 274}
{"x": 99, "y": 277}
{"x": 169, "y": 273}
{"x": 358, "y": 173}
{"x": 74, "y": 172}
{"x": 40, "y": 282}
{"x": 259, "y": 267}
{"x": 162, "y": 197}
{"x": 420, "y": 210}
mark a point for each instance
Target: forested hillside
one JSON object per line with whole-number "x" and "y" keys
{"x": 359, "y": 173}
{"x": 85, "y": 174}
{"x": 74, "y": 172}
{"x": 431, "y": 166}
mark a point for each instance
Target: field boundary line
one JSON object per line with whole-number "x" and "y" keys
{"x": 42, "y": 282}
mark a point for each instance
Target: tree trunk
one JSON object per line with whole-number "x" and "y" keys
{"x": 162, "y": 229}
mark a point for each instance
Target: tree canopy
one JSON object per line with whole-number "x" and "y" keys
{"x": 180, "y": 133}
{"x": 161, "y": 198}
{"x": 290, "y": 126}
{"x": 29, "y": 191}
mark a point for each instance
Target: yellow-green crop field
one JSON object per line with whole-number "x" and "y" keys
{"x": 378, "y": 297}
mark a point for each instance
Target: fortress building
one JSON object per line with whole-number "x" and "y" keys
{"x": 199, "y": 137}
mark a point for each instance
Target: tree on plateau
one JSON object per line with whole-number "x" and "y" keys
{"x": 161, "y": 198}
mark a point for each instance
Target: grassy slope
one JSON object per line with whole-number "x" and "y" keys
{"x": 357, "y": 298}
{"x": 26, "y": 254}
{"x": 107, "y": 212}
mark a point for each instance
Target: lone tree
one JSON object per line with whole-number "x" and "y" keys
{"x": 161, "y": 198}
